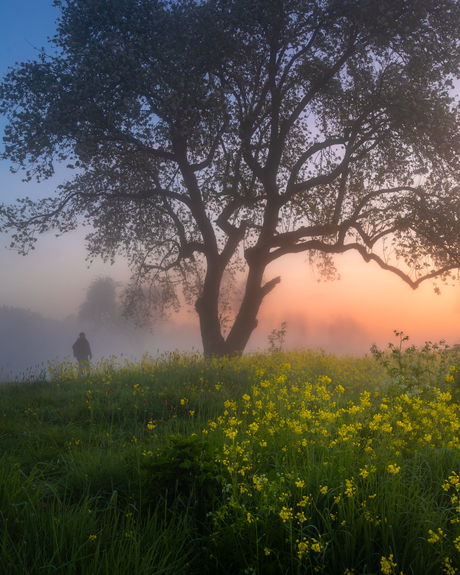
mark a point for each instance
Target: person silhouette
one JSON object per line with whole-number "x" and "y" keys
{"x": 82, "y": 353}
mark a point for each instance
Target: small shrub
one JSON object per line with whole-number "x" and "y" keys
{"x": 413, "y": 368}
{"x": 277, "y": 337}
{"x": 184, "y": 469}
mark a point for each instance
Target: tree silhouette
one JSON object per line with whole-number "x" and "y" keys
{"x": 100, "y": 307}
{"x": 218, "y": 135}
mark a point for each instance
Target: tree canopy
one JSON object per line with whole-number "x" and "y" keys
{"x": 100, "y": 307}
{"x": 215, "y": 136}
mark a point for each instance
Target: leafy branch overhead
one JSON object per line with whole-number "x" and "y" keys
{"x": 209, "y": 137}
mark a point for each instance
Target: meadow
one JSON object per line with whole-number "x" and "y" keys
{"x": 272, "y": 463}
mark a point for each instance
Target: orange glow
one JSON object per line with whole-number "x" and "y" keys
{"x": 365, "y": 306}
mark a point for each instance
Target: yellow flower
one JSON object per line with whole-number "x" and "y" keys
{"x": 286, "y": 514}
{"x": 454, "y": 479}
{"x": 435, "y": 537}
{"x": 231, "y": 433}
{"x": 301, "y": 517}
{"x": 351, "y": 489}
{"x": 317, "y": 546}
{"x": 92, "y": 537}
{"x": 393, "y": 468}
{"x": 253, "y": 427}
{"x": 387, "y": 566}
{"x": 303, "y": 549}
{"x": 448, "y": 568}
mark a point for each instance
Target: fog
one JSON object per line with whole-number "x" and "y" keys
{"x": 28, "y": 340}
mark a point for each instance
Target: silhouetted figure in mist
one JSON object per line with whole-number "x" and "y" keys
{"x": 82, "y": 352}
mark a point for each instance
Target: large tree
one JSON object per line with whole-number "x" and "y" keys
{"x": 219, "y": 135}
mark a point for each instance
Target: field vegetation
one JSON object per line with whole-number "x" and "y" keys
{"x": 272, "y": 463}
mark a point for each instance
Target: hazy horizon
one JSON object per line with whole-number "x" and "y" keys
{"x": 343, "y": 317}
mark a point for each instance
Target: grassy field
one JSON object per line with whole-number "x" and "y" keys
{"x": 282, "y": 463}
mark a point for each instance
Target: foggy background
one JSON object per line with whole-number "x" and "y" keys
{"x": 342, "y": 317}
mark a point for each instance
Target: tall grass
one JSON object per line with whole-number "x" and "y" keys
{"x": 297, "y": 462}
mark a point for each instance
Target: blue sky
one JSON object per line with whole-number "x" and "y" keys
{"x": 23, "y": 25}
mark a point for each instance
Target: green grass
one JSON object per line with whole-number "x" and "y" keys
{"x": 297, "y": 462}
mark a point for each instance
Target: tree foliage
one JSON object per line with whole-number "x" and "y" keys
{"x": 217, "y": 135}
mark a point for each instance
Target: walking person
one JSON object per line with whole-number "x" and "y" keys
{"x": 82, "y": 353}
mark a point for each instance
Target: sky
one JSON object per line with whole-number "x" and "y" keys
{"x": 347, "y": 316}
{"x": 52, "y": 279}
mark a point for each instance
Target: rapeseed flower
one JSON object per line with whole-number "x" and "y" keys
{"x": 448, "y": 568}
{"x": 302, "y": 549}
{"x": 286, "y": 514}
{"x": 387, "y": 565}
{"x": 435, "y": 537}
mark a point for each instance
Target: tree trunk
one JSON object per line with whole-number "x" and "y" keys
{"x": 246, "y": 320}
{"x": 207, "y": 307}
{"x": 211, "y": 336}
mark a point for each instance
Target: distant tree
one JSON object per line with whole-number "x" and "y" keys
{"x": 215, "y": 135}
{"x": 100, "y": 307}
